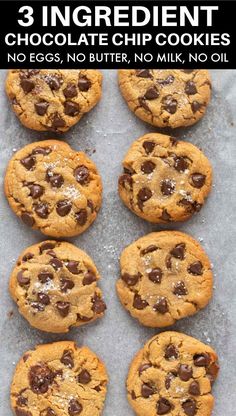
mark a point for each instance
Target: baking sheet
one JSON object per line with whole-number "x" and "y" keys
{"x": 106, "y": 134}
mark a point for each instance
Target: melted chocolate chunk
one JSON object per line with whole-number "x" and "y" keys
{"x": 36, "y": 190}
{"x": 63, "y": 308}
{"x": 70, "y": 91}
{"x": 40, "y": 378}
{"x": 198, "y": 180}
{"x": 81, "y": 217}
{"x": 170, "y": 104}
{"x": 189, "y": 407}
{"x": 148, "y": 167}
{"x": 178, "y": 251}
{"x": 147, "y": 390}
{"x": 81, "y": 174}
{"x": 75, "y": 408}
{"x": 155, "y": 275}
{"x": 89, "y": 278}
{"x": 66, "y": 284}
{"x": 27, "y": 219}
{"x": 21, "y": 279}
{"x": 98, "y": 305}
{"x": 149, "y": 249}
{"x": 180, "y": 289}
{"x": 71, "y": 109}
{"x": 28, "y": 162}
{"x": 84, "y": 377}
{"x": 27, "y": 85}
{"x": 196, "y": 268}
{"x": 41, "y": 108}
{"x": 190, "y": 88}
{"x": 185, "y": 372}
{"x": 151, "y": 94}
{"x": 148, "y": 146}
{"x": 194, "y": 388}
{"x": 167, "y": 187}
{"x": 143, "y": 73}
{"x": 42, "y": 210}
{"x": 67, "y": 358}
{"x": 202, "y": 360}
{"x": 45, "y": 276}
{"x": 84, "y": 84}
{"x": 161, "y": 306}
{"x": 171, "y": 352}
{"x": 144, "y": 367}
{"x": 63, "y": 208}
{"x": 139, "y": 303}
{"x": 163, "y": 406}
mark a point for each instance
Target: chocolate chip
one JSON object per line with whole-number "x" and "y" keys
{"x": 190, "y": 88}
{"x": 178, "y": 251}
{"x": 41, "y": 150}
{"x": 126, "y": 179}
{"x": 212, "y": 372}
{"x": 84, "y": 377}
{"x": 170, "y": 376}
{"x": 194, "y": 388}
{"x": 63, "y": 308}
{"x": 67, "y": 358}
{"x": 46, "y": 246}
{"x": 133, "y": 396}
{"x": 143, "y": 195}
{"x": 89, "y": 278}
{"x": 57, "y": 121}
{"x": 27, "y": 85}
{"x": 168, "y": 262}
{"x": 190, "y": 206}
{"x": 56, "y": 180}
{"x": 90, "y": 205}
{"x": 169, "y": 80}
{"x": 167, "y": 187}
{"x": 98, "y": 305}
{"x": 187, "y": 71}
{"x": 180, "y": 289}
{"x": 196, "y": 268}
{"x": 71, "y": 109}
{"x": 163, "y": 406}
{"x": 41, "y": 108}
{"x": 165, "y": 216}
{"x": 45, "y": 276}
{"x": 81, "y": 174}
{"x": 27, "y": 257}
{"x": 198, "y": 180}
{"x": 63, "y": 208}
{"x": 21, "y": 412}
{"x": 195, "y": 105}
{"x": 147, "y": 390}
{"x": 180, "y": 164}
{"x": 38, "y": 305}
{"x": 83, "y": 318}
{"x": 27, "y": 219}
{"x": 155, "y": 275}
{"x": 151, "y": 94}
{"x": 21, "y": 401}
{"x": 185, "y": 372}
{"x": 50, "y": 412}
{"x": 149, "y": 249}
{"x": 143, "y": 73}
{"x": 42, "y": 210}
{"x": 75, "y": 408}
{"x": 202, "y": 360}
{"x": 56, "y": 263}
{"x": 171, "y": 352}
{"x": 148, "y": 167}
{"x": 189, "y": 407}
{"x": 170, "y": 104}
{"x": 143, "y": 368}
{"x": 36, "y": 191}
{"x": 66, "y": 284}
{"x": 142, "y": 103}
{"x": 148, "y": 146}
{"x": 54, "y": 82}
{"x": 139, "y": 303}
{"x": 43, "y": 298}
{"x": 161, "y": 305}
{"x": 72, "y": 266}
{"x": 70, "y": 91}
{"x": 131, "y": 280}
{"x": 84, "y": 84}
{"x": 28, "y": 162}
{"x": 22, "y": 280}
{"x": 51, "y": 253}
{"x": 81, "y": 217}
{"x": 40, "y": 378}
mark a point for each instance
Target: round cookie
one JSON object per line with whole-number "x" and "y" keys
{"x": 173, "y": 375}
{"x": 53, "y": 188}
{"x": 59, "y": 379}
{"x": 55, "y": 287}
{"x": 164, "y": 179}
{"x": 166, "y": 98}
{"x": 53, "y": 100}
{"x": 165, "y": 276}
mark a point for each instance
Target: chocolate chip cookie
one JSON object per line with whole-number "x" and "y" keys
{"x": 53, "y": 100}
{"x": 173, "y": 375}
{"x": 53, "y": 188}
{"x": 165, "y": 276}
{"x": 59, "y": 379}
{"x": 55, "y": 287}
{"x": 166, "y": 98}
{"x": 164, "y": 179}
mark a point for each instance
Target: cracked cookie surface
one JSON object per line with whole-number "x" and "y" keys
{"x": 53, "y": 100}
{"x": 53, "y": 188}
{"x": 173, "y": 375}
{"x": 55, "y": 287}
{"x": 166, "y": 98}
{"x": 59, "y": 379}
{"x": 164, "y": 179}
{"x": 165, "y": 276}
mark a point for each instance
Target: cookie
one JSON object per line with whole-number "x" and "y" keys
{"x": 173, "y": 375}
{"x": 53, "y": 100}
{"x": 59, "y": 379}
{"x": 165, "y": 276}
{"x": 164, "y": 179}
{"x": 53, "y": 188}
{"x": 55, "y": 287}
{"x": 166, "y": 98}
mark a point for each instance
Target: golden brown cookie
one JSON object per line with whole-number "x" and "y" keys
{"x": 55, "y": 287}
{"x": 173, "y": 375}
{"x": 53, "y": 100}
{"x": 59, "y": 379}
{"x": 166, "y": 98}
{"x": 165, "y": 276}
{"x": 164, "y": 179}
{"x": 53, "y": 188}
